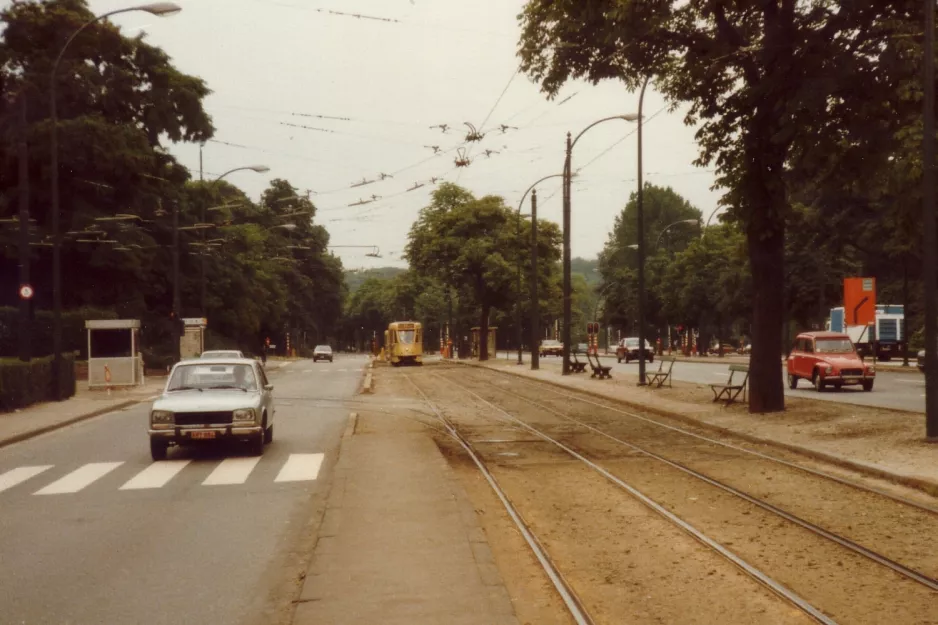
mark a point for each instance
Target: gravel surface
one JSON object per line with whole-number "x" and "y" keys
{"x": 625, "y": 562}
{"x": 594, "y": 529}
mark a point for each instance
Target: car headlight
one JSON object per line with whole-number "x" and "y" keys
{"x": 245, "y": 414}
{"x": 829, "y": 370}
{"x": 871, "y": 368}
{"x": 161, "y": 416}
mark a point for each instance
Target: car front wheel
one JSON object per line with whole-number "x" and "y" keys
{"x": 158, "y": 449}
{"x": 792, "y": 381}
{"x": 818, "y": 382}
{"x": 868, "y": 385}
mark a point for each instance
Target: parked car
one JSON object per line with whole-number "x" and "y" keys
{"x": 581, "y": 348}
{"x": 745, "y": 350}
{"x": 828, "y": 359}
{"x": 551, "y": 347}
{"x": 627, "y": 350}
{"x": 920, "y": 361}
{"x": 222, "y": 353}
{"x": 209, "y": 400}
{"x": 322, "y": 352}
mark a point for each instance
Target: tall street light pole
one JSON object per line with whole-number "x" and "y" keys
{"x": 535, "y": 310}
{"x": 535, "y": 303}
{"x": 641, "y": 245}
{"x": 155, "y": 8}
{"x": 567, "y": 287}
{"x": 256, "y": 168}
{"x": 930, "y": 267}
{"x": 25, "y": 342}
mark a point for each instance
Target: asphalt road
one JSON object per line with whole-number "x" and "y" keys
{"x": 900, "y": 390}
{"x": 98, "y": 533}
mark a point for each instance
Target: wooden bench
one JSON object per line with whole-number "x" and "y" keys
{"x": 662, "y": 375}
{"x": 598, "y": 368}
{"x": 576, "y": 366}
{"x": 729, "y": 391}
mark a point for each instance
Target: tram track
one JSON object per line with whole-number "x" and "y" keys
{"x": 925, "y": 579}
{"x": 779, "y": 589}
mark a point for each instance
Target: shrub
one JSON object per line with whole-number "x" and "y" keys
{"x": 26, "y": 383}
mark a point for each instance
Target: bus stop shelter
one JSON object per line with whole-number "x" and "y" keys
{"x": 114, "y": 357}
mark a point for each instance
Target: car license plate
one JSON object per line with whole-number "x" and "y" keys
{"x": 852, "y": 381}
{"x": 203, "y": 435}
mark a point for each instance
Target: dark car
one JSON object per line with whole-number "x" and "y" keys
{"x": 627, "y": 350}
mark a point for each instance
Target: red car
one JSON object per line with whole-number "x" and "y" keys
{"x": 828, "y": 359}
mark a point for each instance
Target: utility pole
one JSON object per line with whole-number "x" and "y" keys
{"x": 930, "y": 270}
{"x": 25, "y": 343}
{"x": 202, "y": 310}
{"x": 567, "y": 312}
{"x": 641, "y": 248}
{"x": 177, "y": 316}
{"x": 535, "y": 305}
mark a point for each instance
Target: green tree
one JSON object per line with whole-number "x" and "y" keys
{"x": 774, "y": 88}
{"x": 472, "y": 245}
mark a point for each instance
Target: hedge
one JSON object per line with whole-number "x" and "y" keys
{"x": 25, "y": 383}
{"x": 74, "y": 337}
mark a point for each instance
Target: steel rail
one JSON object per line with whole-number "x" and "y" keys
{"x": 793, "y": 465}
{"x": 816, "y": 529}
{"x": 773, "y": 585}
{"x": 570, "y": 599}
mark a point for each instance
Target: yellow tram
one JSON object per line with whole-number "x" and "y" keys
{"x": 404, "y": 343}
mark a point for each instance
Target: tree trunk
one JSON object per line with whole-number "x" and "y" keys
{"x": 484, "y": 334}
{"x": 766, "y": 256}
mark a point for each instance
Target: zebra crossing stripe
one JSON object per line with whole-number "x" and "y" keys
{"x": 156, "y": 475}
{"x": 79, "y": 478}
{"x": 20, "y": 474}
{"x": 300, "y": 468}
{"x": 231, "y": 471}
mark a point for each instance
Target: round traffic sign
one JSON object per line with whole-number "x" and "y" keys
{"x": 26, "y": 292}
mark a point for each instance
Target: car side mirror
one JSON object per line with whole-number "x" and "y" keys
{"x": 268, "y": 387}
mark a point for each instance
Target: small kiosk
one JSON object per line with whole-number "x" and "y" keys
{"x": 192, "y": 341}
{"x": 114, "y": 357}
{"x": 475, "y": 341}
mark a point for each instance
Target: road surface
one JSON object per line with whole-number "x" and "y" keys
{"x": 93, "y": 531}
{"x": 898, "y": 390}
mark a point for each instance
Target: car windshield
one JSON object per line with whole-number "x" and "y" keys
{"x": 631, "y": 342}
{"x": 212, "y": 377}
{"x": 221, "y": 354}
{"x": 323, "y": 348}
{"x": 834, "y": 346}
{"x": 550, "y": 343}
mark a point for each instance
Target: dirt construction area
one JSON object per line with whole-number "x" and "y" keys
{"x": 600, "y": 513}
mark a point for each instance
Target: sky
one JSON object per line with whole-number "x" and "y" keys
{"x": 328, "y": 100}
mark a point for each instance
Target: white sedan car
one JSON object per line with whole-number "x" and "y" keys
{"x": 222, "y": 353}
{"x": 208, "y": 400}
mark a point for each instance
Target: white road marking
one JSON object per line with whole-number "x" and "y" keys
{"x": 79, "y": 478}
{"x": 19, "y": 475}
{"x": 231, "y": 471}
{"x": 156, "y": 475}
{"x": 307, "y": 370}
{"x": 300, "y": 468}
{"x": 911, "y": 381}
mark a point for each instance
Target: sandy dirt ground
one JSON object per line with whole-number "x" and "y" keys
{"x": 628, "y": 564}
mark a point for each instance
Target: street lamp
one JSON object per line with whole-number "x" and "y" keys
{"x": 155, "y": 8}
{"x": 535, "y": 308}
{"x": 567, "y": 175}
{"x": 260, "y": 169}
{"x": 676, "y": 223}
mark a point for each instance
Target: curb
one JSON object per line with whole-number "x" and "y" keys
{"x": 927, "y": 486}
{"x": 23, "y": 436}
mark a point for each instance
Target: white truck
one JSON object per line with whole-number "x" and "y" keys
{"x": 885, "y": 338}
